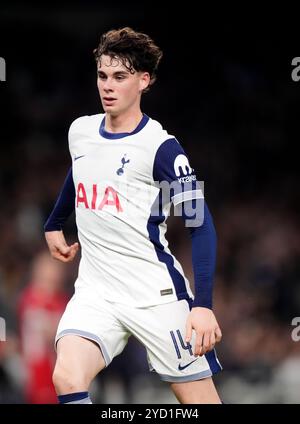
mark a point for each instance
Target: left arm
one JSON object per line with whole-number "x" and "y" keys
{"x": 201, "y": 317}
{"x": 172, "y": 165}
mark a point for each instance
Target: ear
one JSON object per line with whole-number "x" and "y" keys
{"x": 144, "y": 80}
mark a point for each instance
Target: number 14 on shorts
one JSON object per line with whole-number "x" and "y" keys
{"x": 178, "y": 338}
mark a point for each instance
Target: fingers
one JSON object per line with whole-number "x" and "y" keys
{"x": 212, "y": 340}
{"x": 73, "y": 251}
{"x": 65, "y": 253}
{"x": 205, "y": 342}
{"x": 58, "y": 247}
{"x": 188, "y": 331}
{"x": 199, "y": 343}
{"x": 75, "y": 247}
{"x": 218, "y": 334}
{"x": 60, "y": 257}
{"x": 64, "y": 249}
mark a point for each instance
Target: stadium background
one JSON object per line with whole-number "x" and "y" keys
{"x": 225, "y": 89}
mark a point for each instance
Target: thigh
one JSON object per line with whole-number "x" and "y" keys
{"x": 92, "y": 318}
{"x": 78, "y": 353}
{"x": 199, "y": 391}
{"x": 162, "y": 330}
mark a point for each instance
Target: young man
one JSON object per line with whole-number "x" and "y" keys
{"x": 129, "y": 283}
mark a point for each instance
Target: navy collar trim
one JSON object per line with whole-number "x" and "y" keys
{"x": 113, "y": 136}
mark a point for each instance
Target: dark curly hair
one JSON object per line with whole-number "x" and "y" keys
{"x": 136, "y": 50}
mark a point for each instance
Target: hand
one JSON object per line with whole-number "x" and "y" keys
{"x": 207, "y": 329}
{"x": 59, "y": 248}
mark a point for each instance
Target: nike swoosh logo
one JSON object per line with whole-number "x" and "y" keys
{"x": 78, "y": 157}
{"x": 185, "y": 366}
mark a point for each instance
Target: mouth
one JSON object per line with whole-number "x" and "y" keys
{"x": 109, "y": 100}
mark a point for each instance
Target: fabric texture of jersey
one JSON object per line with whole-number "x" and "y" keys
{"x": 121, "y": 210}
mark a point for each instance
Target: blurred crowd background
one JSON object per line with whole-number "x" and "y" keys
{"x": 225, "y": 90}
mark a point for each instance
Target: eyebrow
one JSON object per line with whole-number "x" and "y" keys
{"x": 115, "y": 73}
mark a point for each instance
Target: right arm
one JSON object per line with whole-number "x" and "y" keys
{"x": 63, "y": 208}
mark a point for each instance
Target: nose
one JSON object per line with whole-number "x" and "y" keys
{"x": 107, "y": 85}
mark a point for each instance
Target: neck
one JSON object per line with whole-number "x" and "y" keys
{"x": 126, "y": 122}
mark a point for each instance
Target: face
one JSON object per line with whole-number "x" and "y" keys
{"x": 119, "y": 89}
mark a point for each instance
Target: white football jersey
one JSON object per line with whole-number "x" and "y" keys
{"x": 121, "y": 227}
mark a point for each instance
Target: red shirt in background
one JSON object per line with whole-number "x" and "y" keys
{"x": 39, "y": 313}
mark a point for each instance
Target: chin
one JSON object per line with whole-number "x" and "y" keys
{"x": 109, "y": 109}
{"x": 112, "y": 111}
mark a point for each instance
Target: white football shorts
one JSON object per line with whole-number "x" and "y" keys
{"x": 160, "y": 328}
